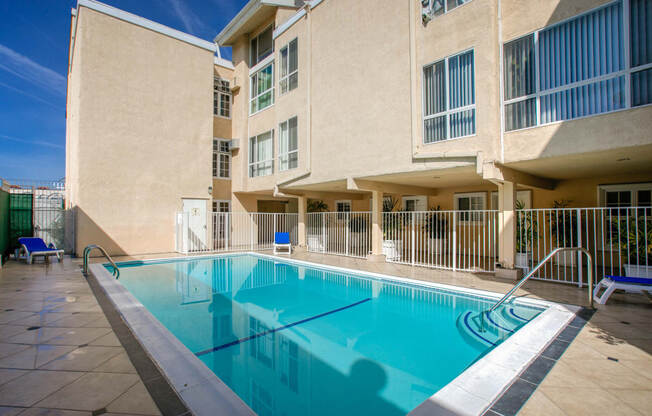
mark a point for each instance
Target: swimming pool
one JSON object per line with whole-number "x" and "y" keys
{"x": 292, "y": 338}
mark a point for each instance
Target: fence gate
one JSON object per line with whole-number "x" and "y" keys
{"x": 20, "y": 218}
{"x": 48, "y": 216}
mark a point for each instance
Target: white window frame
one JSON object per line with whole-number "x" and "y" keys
{"x": 339, "y": 213}
{"x": 217, "y": 152}
{"x": 220, "y": 92}
{"x": 418, "y": 200}
{"x": 269, "y": 61}
{"x": 217, "y": 202}
{"x": 286, "y": 62}
{"x": 633, "y": 188}
{"x": 280, "y": 145}
{"x": 259, "y": 162}
{"x": 472, "y": 218}
{"x": 627, "y": 72}
{"x": 448, "y": 111}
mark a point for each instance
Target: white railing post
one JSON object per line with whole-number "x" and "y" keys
{"x": 454, "y": 229}
{"x": 251, "y": 232}
{"x": 578, "y": 212}
{"x": 323, "y": 232}
{"x": 412, "y": 237}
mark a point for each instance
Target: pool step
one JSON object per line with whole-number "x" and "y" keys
{"x": 488, "y": 334}
{"x": 517, "y": 318}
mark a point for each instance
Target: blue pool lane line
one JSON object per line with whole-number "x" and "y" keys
{"x": 269, "y": 331}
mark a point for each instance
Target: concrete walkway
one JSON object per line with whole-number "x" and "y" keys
{"x": 58, "y": 353}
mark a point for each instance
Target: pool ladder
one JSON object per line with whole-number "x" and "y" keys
{"x": 535, "y": 269}
{"x": 87, "y": 252}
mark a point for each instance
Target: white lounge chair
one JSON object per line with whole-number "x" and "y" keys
{"x": 282, "y": 240}
{"x": 629, "y": 284}
{"x": 34, "y": 246}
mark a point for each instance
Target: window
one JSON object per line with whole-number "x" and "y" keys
{"x": 439, "y": 7}
{"x": 624, "y": 196}
{"x": 262, "y": 89}
{"x": 341, "y": 207}
{"x": 415, "y": 203}
{"x": 288, "y": 152}
{"x": 289, "y": 63}
{"x": 470, "y": 202}
{"x": 449, "y": 98}
{"x": 578, "y": 68}
{"x": 221, "y": 206}
{"x": 221, "y": 159}
{"x": 261, "y": 46}
{"x": 221, "y": 98}
{"x": 261, "y": 154}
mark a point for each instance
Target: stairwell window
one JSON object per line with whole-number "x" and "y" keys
{"x": 262, "y": 89}
{"x": 288, "y": 152}
{"x": 261, "y": 46}
{"x": 261, "y": 154}
{"x": 221, "y": 98}
{"x": 289, "y": 67}
{"x": 449, "y": 98}
{"x": 579, "y": 67}
{"x": 221, "y": 159}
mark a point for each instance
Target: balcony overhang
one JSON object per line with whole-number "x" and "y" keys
{"x": 250, "y": 17}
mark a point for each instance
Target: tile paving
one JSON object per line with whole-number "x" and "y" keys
{"x": 71, "y": 363}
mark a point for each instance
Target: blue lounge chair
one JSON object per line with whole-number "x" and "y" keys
{"x": 629, "y": 284}
{"x": 282, "y": 240}
{"x": 34, "y": 246}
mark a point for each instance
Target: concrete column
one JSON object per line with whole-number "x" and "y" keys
{"x": 303, "y": 203}
{"x": 507, "y": 224}
{"x": 376, "y": 226}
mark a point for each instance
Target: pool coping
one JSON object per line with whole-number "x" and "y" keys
{"x": 472, "y": 392}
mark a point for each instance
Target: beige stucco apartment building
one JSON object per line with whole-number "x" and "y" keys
{"x": 442, "y": 103}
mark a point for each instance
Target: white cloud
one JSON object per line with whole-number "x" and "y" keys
{"x": 190, "y": 20}
{"x": 32, "y": 142}
{"x": 23, "y": 67}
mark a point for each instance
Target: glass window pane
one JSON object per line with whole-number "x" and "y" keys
{"x": 640, "y": 12}
{"x": 642, "y": 87}
{"x": 293, "y": 134}
{"x": 265, "y": 44}
{"x": 434, "y": 129}
{"x": 461, "y": 80}
{"x": 294, "y": 81}
{"x": 462, "y": 124}
{"x": 521, "y": 114}
{"x": 434, "y": 88}
{"x": 519, "y": 67}
{"x": 294, "y": 58}
{"x": 644, "y": 198}
{"x": 284, "y": 61}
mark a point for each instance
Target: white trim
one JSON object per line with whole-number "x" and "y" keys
{"x": 288, "y": 23}
{"x": 258, "y": 162}
{"x": 289, "y": 74}
{"x": 289, "y": 152}
{"x": 270, "y": 90}
{"x": 217, "y": 110}
{"x": 344, "y": 201}
{"x": 148, "y": 24}
{"x": 223, "y": 62}
{"x": 632, "y": 188}
{"x": 262, "y": 64}
{"x": 218, "y": 201}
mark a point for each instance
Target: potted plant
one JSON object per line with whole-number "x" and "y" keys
{"x": 392, "y": 246}
{"x": 563, "y": 229}
{"x": 636, "y": 246}
{"x": 526, "y": 234}
{"x": 315, "y": 242}
{"x": 437, "y": 229}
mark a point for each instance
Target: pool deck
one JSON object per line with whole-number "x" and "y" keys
{"x": 74, "y": 362}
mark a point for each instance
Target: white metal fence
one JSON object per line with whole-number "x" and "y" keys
{"x": 619, "y": 240}
{"x": 341, "y": 233}
{"x": 232, "y": 231}
{"x": 455, "y": 240}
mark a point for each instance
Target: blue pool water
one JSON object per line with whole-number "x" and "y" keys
{"x": 297, "y": 340}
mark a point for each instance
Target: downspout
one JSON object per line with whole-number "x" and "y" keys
{"x": 501, "y": 82}
{"x": 413, "y": 65}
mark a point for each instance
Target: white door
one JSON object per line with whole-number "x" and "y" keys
{"x": 194, "y": 211}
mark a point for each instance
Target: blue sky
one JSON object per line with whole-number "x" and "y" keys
{"x": 34, "y": 38}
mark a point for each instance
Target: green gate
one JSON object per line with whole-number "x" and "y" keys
{"x": 20, "y": 218}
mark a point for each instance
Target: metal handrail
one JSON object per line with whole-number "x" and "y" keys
{"x": 87, "y": 252}
{"x": 541, "y": 263}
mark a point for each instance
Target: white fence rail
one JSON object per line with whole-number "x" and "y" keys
{"x": 454, "y": 240}
{"x": 619, "y": 239}
{"x": 341, "y": 233}
{"x": 232, "y": 231}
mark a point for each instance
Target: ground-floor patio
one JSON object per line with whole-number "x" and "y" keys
{"x": 62, "y": 349}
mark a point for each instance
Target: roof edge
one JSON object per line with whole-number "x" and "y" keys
{"x": 224, "y": 63}
{"x": 148, "y": 24}
{"x": 247, "y": 12}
